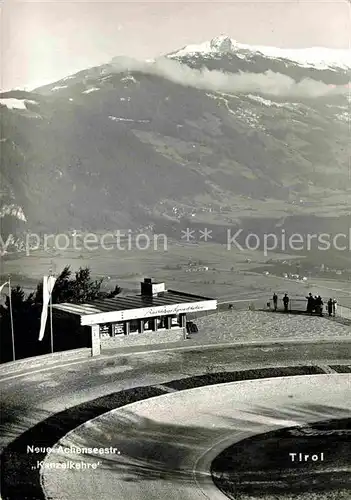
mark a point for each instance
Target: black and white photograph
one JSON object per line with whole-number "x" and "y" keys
{"x": 175, "y": 250}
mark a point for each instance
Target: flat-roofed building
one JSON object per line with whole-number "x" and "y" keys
{"x": 155, "y": 315}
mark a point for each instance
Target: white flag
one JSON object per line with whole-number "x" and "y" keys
{"x": 2, "y": 286}
{"x": 48, "y": 285}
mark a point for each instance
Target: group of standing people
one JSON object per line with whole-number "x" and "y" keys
{"x": 315, "y": 304}
{"x": 286, "y": 301}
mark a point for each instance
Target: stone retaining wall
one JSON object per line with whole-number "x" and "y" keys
{"x": 146, "y": 338}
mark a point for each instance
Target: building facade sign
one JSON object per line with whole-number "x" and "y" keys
{"x": 147, "y": 312}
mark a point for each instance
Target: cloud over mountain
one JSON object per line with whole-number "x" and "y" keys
{"x": 269, "y": 82}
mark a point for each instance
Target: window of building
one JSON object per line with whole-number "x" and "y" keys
{"x": 134, "y": 326}
{"x": 153, "y": 322}
{"x": 118, "y": 329}
{"x": 148, "y": 324}
{"x": 105, "y": 330}
{"x": 175, "y": 320}
{"x": 161, "y": 322}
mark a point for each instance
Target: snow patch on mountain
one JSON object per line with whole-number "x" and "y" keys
{"x": 120, "y": 119}
{"x": 14, "y": 211}
{"x": 336, "y": 106}
{"x": 88, "y": 91}
{"x": 249, "y": 118}
{"x": 222, "y": 100}
{"x": 314, "y": 57}
{"x": 244, "y": 114}
{"x": 58, "y": 87}
{"x": 269, "y": 103}
{"x": 13, "y": 103}
{"x": 220, "y": 95}
{"x": 222, "y": 44}
{"x": 344, "y": 117}
{"x": 129, "y": 78}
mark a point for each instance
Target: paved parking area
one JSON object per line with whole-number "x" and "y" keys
{"x": 232, "y": 326}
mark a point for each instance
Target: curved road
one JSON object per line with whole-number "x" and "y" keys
{"x": 163, "y": 447}
{"x": 31, "y": 396}
{"x": 34, "y": 395}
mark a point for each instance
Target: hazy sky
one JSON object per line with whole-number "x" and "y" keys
{"x": 43, "y": 41}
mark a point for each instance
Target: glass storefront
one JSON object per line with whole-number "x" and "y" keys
{"x": 114, "y": 329}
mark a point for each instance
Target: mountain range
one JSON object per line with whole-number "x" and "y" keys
{"x": 217, "y": 133}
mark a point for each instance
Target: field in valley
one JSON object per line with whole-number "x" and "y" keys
{"x": 205, "y": 268}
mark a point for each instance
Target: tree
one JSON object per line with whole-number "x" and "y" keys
{"x": 78, "y": 290}
{"x": 17, "y": 298}
{"x": 27, "y": 311}
{"x": 109, "y": 295}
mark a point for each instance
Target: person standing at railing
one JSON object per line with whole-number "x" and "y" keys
{"x": 319, "y": 305}
{"x": 330, "y": 306}
{"x": 310, "y": 303}
{"x": 286, "y": 301}
{"x": 275, "y": 301}
{"x": 335, "y": 306}
{"x": 315, "y": 304}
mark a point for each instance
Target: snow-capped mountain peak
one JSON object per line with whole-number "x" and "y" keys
{"x": 223, "y": 43}
{"x": 313, "y": 57}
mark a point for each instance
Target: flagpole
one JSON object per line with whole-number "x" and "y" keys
{"x": 50, "y": 306}
{"x": 11, "y": 319}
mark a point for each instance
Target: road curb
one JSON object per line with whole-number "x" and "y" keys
{"x": 15, "y": 367}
